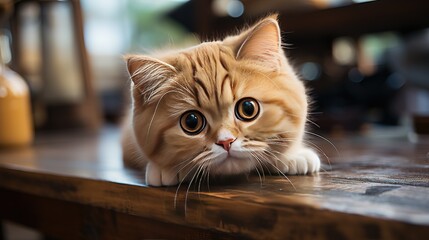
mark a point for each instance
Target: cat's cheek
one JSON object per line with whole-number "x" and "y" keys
{"x": 181, "y": 146}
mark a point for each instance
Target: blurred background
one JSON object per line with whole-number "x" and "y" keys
{"x": 366, "y": 62}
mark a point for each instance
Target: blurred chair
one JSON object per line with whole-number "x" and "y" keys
{"x": 48, "y": 50}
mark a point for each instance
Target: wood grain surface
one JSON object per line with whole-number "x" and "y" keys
{"x": 74, "y": 186}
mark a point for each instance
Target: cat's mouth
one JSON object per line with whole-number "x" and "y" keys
{"x": 232, "y": 156}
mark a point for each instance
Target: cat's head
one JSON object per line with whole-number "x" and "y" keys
{"x": 227, "y": 106}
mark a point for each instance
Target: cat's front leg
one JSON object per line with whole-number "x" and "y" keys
{"x": 157, "y": 177}
{"x": 301, "y": 161}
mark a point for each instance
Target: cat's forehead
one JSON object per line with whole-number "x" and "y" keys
{"x": 202, "y": 56}
{"x": 205, "y": 71}
{"x": 214, "y": 80}
{"x": 205, "y": 47}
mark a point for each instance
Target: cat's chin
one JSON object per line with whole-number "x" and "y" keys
{"x": 230, "y": 165}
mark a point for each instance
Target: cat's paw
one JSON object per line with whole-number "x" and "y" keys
{"x": 158, "y": 177}
{"x": 302, "y": 161}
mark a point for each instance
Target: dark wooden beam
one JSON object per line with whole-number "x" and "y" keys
{"x": 358, "y": 19}
{"x": 349, "y": 20}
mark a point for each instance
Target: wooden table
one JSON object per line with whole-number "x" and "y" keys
{"x": 74, "y": 186}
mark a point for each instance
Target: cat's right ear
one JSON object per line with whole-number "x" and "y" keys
{"x": 261, "y": 43}
{"x": 149, "y": 75}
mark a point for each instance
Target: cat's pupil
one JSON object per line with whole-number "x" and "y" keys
{"x": 191, "y": 121}
{"x": 248, "y": 108}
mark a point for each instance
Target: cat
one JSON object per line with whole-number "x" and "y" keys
{"x": 219, "y": 108}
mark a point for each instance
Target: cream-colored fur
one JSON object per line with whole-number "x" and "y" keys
{"x": 211, "y": 79}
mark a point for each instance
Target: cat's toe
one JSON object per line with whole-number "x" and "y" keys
{"x": 302, "y": 165}
{"x": 302, "y": 162}
{"x": 153, "y": 175}
{"x": 169, "y": 178}
{"x": 157, "y": 177}
{"x": 312, "y": 161}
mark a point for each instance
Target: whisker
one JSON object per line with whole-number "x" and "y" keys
{"x": 154, "y": 113}
{"x": 189, "y": 162}
{"x": 279, "y": 141}
{"x": 284, "y": 175}
{"x": 255, "y": 155}
{"x": 262, "y": 169}
{"x": 200, "y": 176}
{"x": 312, "y": 122}
{"x": 324, "y": 170}
{"x": 268, "y": 154}
{"x": 189, "y": 186}
{"x": 184, "y": 166}
{"x": 201, "y": 163}
{"x": 320, "y": 151}
{"x": 307, "y": 119}
{"x": 180, "y": 184}
{"x": 323, "y": 138}
{"x": 208, "y": 177}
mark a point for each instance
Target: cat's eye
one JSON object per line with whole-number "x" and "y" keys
{"x": 247, "y": 109}
{"x": 192, "y": 122}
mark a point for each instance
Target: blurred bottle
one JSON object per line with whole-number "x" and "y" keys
{"x": 16, "y": 128}
{"x": 15, "y": 116}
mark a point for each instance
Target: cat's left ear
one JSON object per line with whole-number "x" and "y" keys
{"x": 261, "y": 43}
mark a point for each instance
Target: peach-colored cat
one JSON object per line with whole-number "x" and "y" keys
{"x": 224, "y": 107}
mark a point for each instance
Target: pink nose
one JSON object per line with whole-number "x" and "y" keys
{"x": 226, "y": 144}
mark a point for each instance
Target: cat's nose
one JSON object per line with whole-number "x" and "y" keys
{"x": 226, "y": 144}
